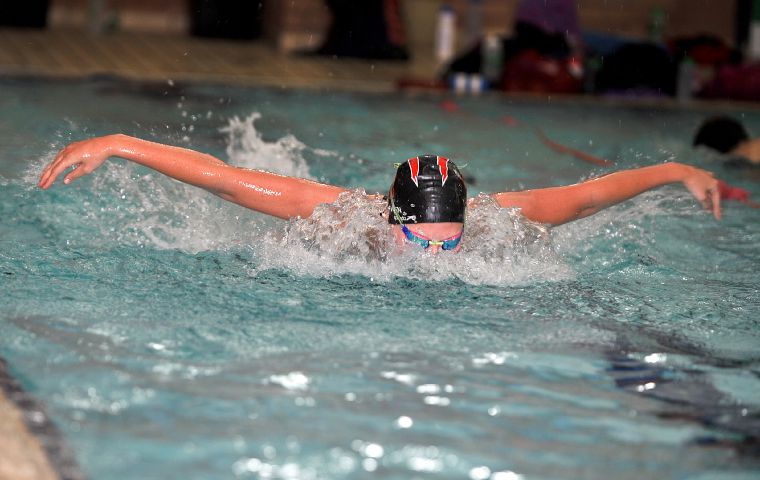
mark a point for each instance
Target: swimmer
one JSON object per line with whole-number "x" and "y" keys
{"x": 426, "y": 203}
{"x": 728, "y": 136}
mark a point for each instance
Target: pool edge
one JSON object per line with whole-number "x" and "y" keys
{"x": 33, "y": 447}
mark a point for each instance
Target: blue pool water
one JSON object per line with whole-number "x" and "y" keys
{"x": 172, "y": 335}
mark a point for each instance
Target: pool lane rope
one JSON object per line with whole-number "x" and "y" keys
{"x": 727, "y": 191}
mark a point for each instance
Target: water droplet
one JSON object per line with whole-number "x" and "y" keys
{"x": 480, "y": 473}
{"x": 404, "y": 422}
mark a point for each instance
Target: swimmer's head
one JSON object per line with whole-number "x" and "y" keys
{"x": 721, "y": 133}
{"x": 427, "y": 189}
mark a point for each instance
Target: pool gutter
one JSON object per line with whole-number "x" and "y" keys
{"x": 32, "y": 446}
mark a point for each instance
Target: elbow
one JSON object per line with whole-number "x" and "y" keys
{"x": 225, "y": 196}
{"x": 575, "y": 210}
{"x": 216, "y": 179}
{"x": 586, "y": 212}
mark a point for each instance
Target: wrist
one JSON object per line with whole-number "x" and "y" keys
{"x": 676, "y": 172}
{"x": 113, "y": 144}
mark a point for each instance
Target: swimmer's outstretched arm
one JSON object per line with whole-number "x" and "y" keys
{"x": 559, "y": 205}
{"x": 269, "y": 193}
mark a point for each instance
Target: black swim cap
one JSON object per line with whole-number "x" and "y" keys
{"x": 721, "y": 133}
{"x": 427, "y": 189}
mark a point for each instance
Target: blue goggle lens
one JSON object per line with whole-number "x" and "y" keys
{"x": 449, "y": 244}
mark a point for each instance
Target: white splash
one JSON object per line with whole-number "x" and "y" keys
{"x": 291, "y": 381}
{"x": 350, "y": 236}
{"x": 246, "y": 148}
{"x": 132, "y": 205}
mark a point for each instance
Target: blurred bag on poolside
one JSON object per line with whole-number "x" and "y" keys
{"x": 637, "y": 68}
{"x": 530, "y": 71}
{"x": 734, "y": 82}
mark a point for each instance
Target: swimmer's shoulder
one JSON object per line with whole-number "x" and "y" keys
{"x": 745, "y": 156}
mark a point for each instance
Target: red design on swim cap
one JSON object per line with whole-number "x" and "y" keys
{"x": 443, "y": 166}
{"x": 414, "y": 168}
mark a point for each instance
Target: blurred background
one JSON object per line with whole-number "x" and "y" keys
{"x": 667, "y": 48}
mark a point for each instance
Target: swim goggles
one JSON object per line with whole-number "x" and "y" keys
{"x": 447, "y": 244}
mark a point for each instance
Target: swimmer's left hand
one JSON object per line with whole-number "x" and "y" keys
{"x": 704, "y": 186}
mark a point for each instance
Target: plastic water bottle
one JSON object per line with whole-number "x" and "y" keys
{"x": 472, "y": 83}
{"x": 753, "y": 47}
{"x": 445, "y": 35}
{"x": 491, "y": 55}
{"x": 686, "y": 77}
{"x": 477, "y": 84}
{"x": 656, "y": 26}
{"x": 459, "y": 82}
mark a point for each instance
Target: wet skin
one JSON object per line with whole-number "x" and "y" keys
{"x": 429, "y": 231}
{"x": 749, "y": 149}
{"x": 288, "y": 197}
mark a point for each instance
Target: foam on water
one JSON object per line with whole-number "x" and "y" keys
{"x": 350, "y": 235}
{"x": 246, "y": 148}
{"x": 500, "y": 246}
{"x": 132, "y": 205}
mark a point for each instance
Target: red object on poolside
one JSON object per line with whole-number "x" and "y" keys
{"x": 530, "y": 71}
{"x": 510, "y": 120}
{"x": 737, "y": 82}
{"x": 449, "y": 106}
{"x": 727, "y": 192}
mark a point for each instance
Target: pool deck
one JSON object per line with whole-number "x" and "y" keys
{"x": 22, "y": 455}
{"x": 31, "y": 447}
{"x": 76, "y": 54}
{"x": 73, "y": 54}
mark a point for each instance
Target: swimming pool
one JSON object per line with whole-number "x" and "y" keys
{"x": 172, "y": 335}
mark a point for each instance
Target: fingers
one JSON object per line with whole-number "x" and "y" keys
{"x": 715, "y": 193}
{"x": 706, "y": 189}
{"x": 79, "y": 171}
{"x": 50, "y": 174}
{"x": 45, "y": 177}
{"x": 62, "y": 161}
{"x": 46, "y": 171}
{"x": 705, "y": 199}
{"x": 710, "y": 199}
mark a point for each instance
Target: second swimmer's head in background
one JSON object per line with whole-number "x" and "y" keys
{"x": 427, "y": 203}
{"x": 721, "y": 133}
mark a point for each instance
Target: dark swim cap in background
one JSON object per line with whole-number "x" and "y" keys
{"x": 721, "y": 133}
{"x": 428, "y": 189}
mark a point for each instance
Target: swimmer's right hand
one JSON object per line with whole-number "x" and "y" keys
{"x": 85, "y": 157}
{"x": 703, "y": 186}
